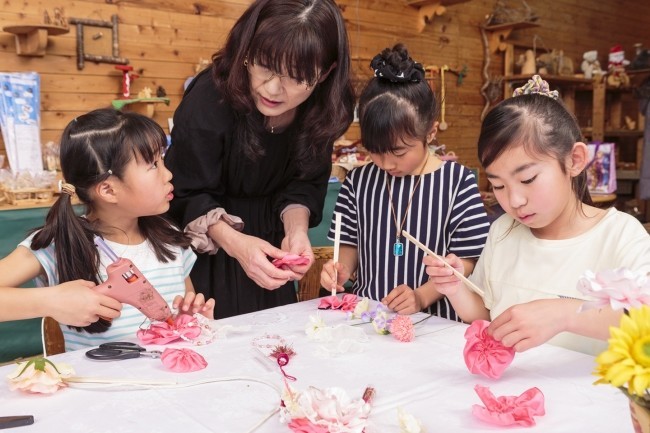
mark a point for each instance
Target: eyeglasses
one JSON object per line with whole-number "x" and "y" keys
{"x": 266, "y": 75}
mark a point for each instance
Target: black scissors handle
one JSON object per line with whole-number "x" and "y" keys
{"x": 122, "y": 345}
{"x": 107, "y": 354}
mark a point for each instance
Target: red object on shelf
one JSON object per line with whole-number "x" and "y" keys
{"x": 127, "y": 79}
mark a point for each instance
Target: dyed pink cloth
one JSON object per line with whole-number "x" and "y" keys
{"x": 290, "y": 259}
{"x": 509, "y": 410}
{"x": 303, "y": 425}
{"x": 483, "y": 354}
{"x": 347, "y": 303}
{"x": 162, "y": 333}
{"x": 402, "y": 328}
{"x": 183, "y": 360}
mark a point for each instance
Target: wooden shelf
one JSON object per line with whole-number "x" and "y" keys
{"x": 148, "y": 103}
{"x": 627, "y": 174}
{"x": 31, "y": 39}
{"x": 500, "y": 32}
{"x": 559, "y": 79}
{"x": 616, "y": 133}
{"x": 427, "y": 9}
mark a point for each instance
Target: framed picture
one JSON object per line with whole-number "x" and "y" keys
{"x": 97, "y": 41}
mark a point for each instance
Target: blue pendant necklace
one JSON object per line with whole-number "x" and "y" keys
{"x": 398, "y": 246}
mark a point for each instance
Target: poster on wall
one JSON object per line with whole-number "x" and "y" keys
{"x": 20, "y": 120}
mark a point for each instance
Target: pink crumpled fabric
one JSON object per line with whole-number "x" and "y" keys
{"x": 483, "y": 354}
{"x": 509, "y": 410}
{"x": 183, "y": 360}
{"x": 346, "y": 303}
{"x": 303, "y": 425}
{"x": 162, "y": 333}
{"x": 290, "y": 259}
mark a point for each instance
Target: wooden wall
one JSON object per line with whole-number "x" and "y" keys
{"x": 164, "y": 40}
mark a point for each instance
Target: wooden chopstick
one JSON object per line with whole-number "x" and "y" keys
{"x": 337, "y": 246}
{"x": 462, "y": 277}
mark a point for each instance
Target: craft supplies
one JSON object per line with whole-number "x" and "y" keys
{"x": 118, "y": 350}
{"x": 462, "y": 277}
{"x": 337, "y": 247}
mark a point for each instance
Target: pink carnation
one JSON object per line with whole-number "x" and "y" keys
{"x": 402, "y": 328}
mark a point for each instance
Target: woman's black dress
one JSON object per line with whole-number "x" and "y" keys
{"x": 211, "y": 171}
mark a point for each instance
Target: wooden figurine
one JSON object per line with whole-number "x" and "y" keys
{"x": 527, "y": 63}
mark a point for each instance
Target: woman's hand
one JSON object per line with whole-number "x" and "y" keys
{"x": 298, "y": 243}
{"x": 442, "y": 277}
{"x": 194, "y": 303}
{"x": 403, "y": 300}
{"x": 327, "y": 275}
{"x": 253, "y": 255}
{"x": 75, "y": 303}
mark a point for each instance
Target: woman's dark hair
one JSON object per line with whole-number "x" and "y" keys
{"x": 94, "y": 147}
{"x": 539, "y": 122}
{"x": 301, "y": 37}
{"x": 397, "y": 103}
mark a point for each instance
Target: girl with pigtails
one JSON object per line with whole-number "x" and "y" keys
{"x": 112, "y": 161}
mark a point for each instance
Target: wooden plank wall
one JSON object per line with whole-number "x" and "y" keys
{"x": 165, "y": 39}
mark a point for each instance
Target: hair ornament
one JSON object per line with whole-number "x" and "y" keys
{"x": 415, "y": 74}
{"x": 109, "y": 171}
{"x": 536, "y": 85}
{"x": 66, "y": 188}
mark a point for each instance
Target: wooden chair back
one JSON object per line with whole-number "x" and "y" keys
{"x": 309, "y": 286}
{"x": 53, "y": 341}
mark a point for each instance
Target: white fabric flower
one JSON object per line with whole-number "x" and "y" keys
{"x": 408, "y": 423}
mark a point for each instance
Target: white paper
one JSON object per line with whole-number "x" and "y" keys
{"x": 20, "y": 120}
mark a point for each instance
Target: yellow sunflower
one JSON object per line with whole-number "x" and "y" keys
{"x": 626, "y": 362}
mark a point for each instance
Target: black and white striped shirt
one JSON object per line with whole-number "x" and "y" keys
{"x": 446, "y": 214}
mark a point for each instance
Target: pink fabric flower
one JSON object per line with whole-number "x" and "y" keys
{"x": 620, "y": 288}
{"x": 483, "y": 354}
{"x": 185, "y": 325}
{"x": 509, "y": 410}
{"x": 402, "y": 328}
{"x": 303, "y": 425}
{"x": 290, "y": 259}
{"x": 347, "y": 303}
{"x": 183, "y": 360}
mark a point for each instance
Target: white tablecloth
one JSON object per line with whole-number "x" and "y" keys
{"x": 426, "y": 377}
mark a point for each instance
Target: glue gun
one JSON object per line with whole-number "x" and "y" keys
{"x": 125, "y": 283}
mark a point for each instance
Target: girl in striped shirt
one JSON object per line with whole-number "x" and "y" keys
{"x": 405, "y": 188}
{"x": 113, "y": 162}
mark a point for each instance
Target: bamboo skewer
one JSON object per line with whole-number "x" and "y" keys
{"x": 337, "y": 247}
{"x": 462, "y": 277}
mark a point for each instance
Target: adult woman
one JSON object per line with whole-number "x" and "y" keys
{"x": 251, "y": 149}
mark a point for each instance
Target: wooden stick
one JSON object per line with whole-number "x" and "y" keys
{"x": 462, "y": 277}
{"x": 337, "y": 247}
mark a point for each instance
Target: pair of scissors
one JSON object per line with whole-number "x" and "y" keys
{"x": 120, "y": 350}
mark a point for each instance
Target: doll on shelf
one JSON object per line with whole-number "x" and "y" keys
{"x": 590, "y": 65}
{"x": 616, "y": 76}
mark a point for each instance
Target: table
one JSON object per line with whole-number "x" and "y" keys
{"x": 426, "y": 377}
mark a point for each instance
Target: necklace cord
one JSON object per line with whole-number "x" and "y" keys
{"x": 400, "y": 227}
